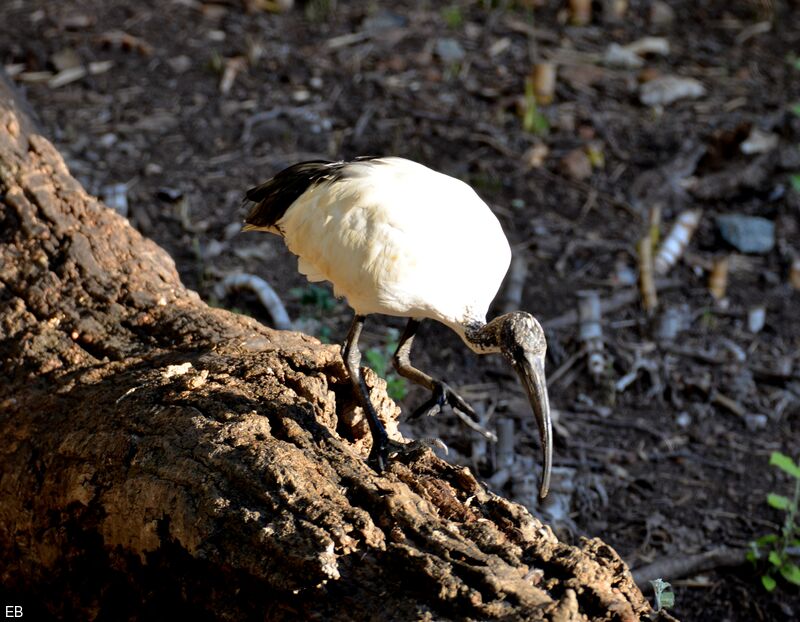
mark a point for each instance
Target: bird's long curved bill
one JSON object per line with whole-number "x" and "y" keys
{"x": 531, "y": 373}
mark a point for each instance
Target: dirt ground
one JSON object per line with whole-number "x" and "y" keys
{"x": 172, "y": 109}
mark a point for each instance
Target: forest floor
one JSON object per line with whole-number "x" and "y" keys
{"x": 171, "y": 110}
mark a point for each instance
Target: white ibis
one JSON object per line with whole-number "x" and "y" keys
{"x": 397, "y": 238}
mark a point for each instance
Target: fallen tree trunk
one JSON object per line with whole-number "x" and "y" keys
{"x": 162, "y": 455}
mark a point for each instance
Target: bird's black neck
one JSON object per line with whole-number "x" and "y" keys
{"x": 482, "y": 337}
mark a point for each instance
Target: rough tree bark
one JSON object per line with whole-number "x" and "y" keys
{"x": 160, "y": 454}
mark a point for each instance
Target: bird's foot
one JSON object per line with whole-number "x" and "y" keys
{"x": 413, "y": 445}
{"x": 379, "y": 456}
{"x": 443, "y": 394}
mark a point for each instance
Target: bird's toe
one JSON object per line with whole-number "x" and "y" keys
{"x": 379, "y": 456}
{"x": 459, "y": 403}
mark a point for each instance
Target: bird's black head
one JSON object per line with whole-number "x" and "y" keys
{"x": 522, "y": 343}
{"x": 520, "y": 334}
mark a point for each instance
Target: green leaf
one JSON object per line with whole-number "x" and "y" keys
{"x": 795, "y": 181}
{"x": 780, "y": 460}
{"x": 768, "y": 539}
{"x": 775, "y": 559}
{"x": 376, "y": 360}
{"x": 795, "y": 108}
{"x": 779, "y": 502}
{"x": 768, "y": 582}
{"x": 791, "y": 572}
{"x": 396, "y": 387}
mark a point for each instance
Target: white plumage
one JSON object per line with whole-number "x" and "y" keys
{"x": 397, "y": 238}
{"x": 400, "y": 239}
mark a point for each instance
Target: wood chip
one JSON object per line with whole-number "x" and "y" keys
{"x": 68, "y": 76}
{"x": 14, "y": 69}
{"x": 33, "y": 77}
{"x": 99, "y": 67}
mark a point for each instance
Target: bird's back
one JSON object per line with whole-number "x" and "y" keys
{"x": 393, "y": 236}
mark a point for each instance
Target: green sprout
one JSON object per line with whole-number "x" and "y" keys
{"x": 320, "y": 10}
{"x": 782, "y": 549}
{"x": 452, "y": 16}
{"x": 378, "y": 358}
{"x": 318, "y": 298}
{"x": 663, "y": 594}
{"x": 532, "y": 119}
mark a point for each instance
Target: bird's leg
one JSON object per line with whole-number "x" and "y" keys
{"x": 442, "y": 393}
{"x": 352, "y": 360}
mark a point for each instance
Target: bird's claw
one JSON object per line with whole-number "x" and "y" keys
{"x": 443, "y": 394}
{"x": 379, "y": 456}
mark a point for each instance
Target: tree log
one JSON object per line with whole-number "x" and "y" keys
{"x": 161, "y": 455}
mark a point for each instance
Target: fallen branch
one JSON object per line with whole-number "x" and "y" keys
{"x": 672, "y": 568}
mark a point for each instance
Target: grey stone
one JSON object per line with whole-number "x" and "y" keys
{"x": 748, "y": 234}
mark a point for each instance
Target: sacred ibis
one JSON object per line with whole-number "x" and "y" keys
{"x": 397, "y": 238}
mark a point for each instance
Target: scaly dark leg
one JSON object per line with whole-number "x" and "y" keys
{"x": 442, "y": 393}
{"x": 352, "y": 360}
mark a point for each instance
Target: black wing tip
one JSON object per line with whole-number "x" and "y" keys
{"x": 272, "y": 198}
{"x": 275, "y": 196}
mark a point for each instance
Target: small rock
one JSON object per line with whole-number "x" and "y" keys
{"x": 301, "y": 96}
{"x": 756, "y": 318}
{"x": 759, "y": 142}
{"x": 748, "y": 234}
{"x": 576, "y": 164}
{"x": 755, "y": 421}
{"x": 107, "y": 140}
{"x": 65, "y": 59}
{"x": 449, "y": 50}
{"x": 661, "y": 14}
{"x": 668, "y": 89}
{"x": 384, "y": 20}
{"x": 617, "y": 55}
{"x": 180, "y": 64}
{"x": 116, "y": 197}
{"x": 535, "y": 156}
{"x": 672, "y": 322}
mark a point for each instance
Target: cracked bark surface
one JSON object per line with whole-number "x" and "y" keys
{"x": 159, "y": 454}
